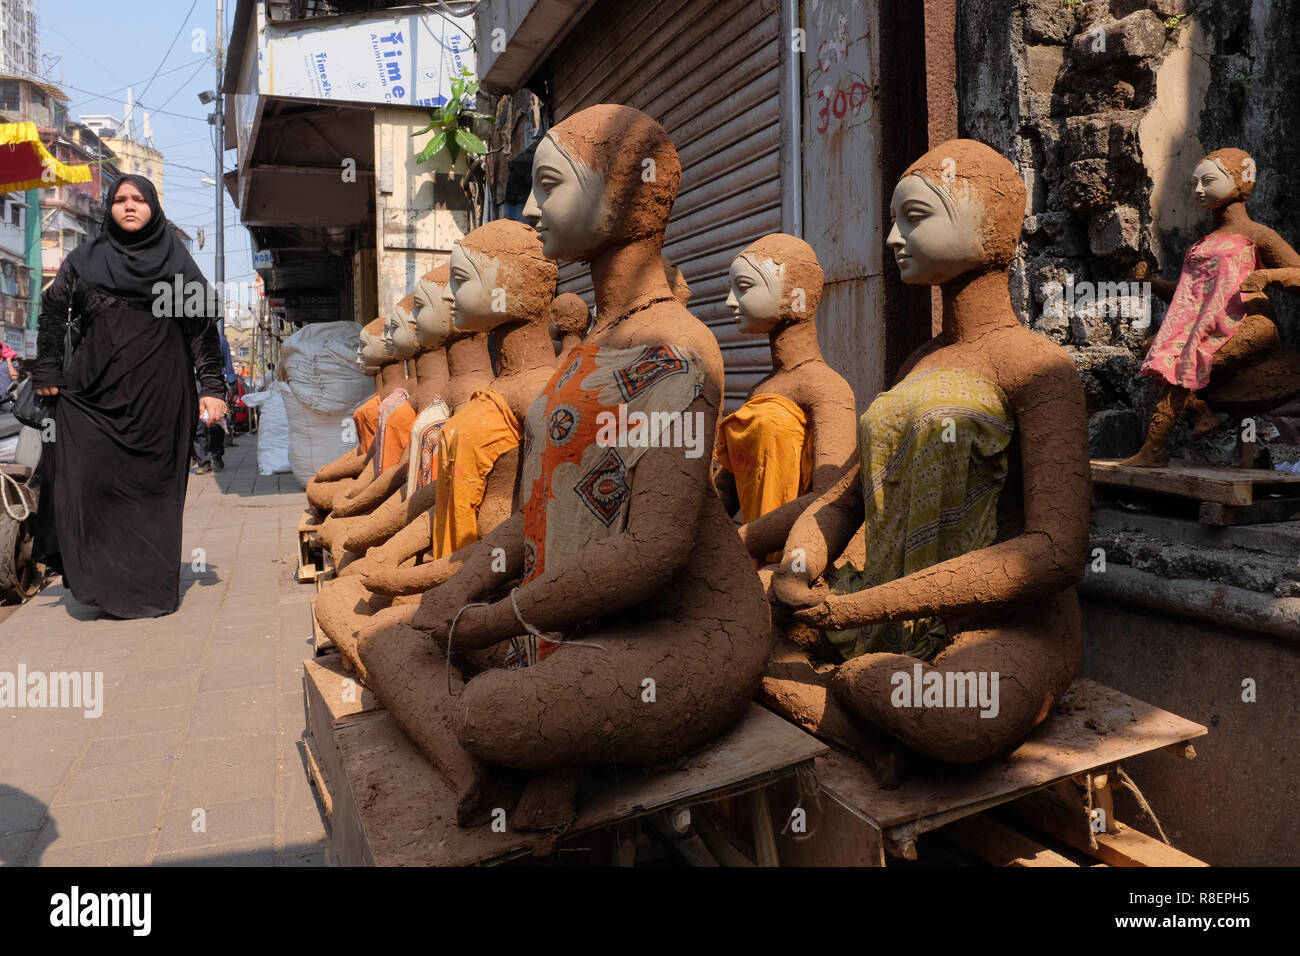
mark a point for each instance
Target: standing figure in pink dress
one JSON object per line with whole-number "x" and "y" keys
{"x": 1219, "y": 328}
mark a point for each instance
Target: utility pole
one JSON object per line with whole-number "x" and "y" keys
{"x": 220, "y": 124}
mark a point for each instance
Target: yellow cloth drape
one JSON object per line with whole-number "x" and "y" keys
{"x": 471, "y": 442}
{"x": 934, "y": 460}
{"x": 27, "y": 164}
{"x": 765, "y": 445}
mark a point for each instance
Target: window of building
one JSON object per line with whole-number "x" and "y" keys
{"x": 11, "y": 99}
{"x": 15, "y": 214}
{"x": 39, "y": 98}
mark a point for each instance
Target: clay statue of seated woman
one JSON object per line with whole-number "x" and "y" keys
{"x": 971, "y": 485}
{"x": 635, "y": 587}
{"x": 502, "y": 284}
{"x": 796, "y": 431}
{"x": 1218, "y": 348}
{"x": 386, "y": 471}
{"x": 469, "y": 370}
{"x": 341, "y": 475}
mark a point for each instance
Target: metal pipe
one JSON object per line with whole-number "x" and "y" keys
{"x": 220, "y": 268}
{"x": 795, "y": 118}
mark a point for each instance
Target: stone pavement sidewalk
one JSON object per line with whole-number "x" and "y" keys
{"x": 196, "y": 756}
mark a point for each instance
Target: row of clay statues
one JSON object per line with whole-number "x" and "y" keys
{"x": 528, "y": 589}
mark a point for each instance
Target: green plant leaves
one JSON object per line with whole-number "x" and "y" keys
{"x": 469, "y": 142}
{"x": 433, "y": 147}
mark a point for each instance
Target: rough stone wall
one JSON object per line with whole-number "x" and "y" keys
{"x": 1106, "y": 106}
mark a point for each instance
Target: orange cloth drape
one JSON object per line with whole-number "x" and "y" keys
{"x": 471, "y": 442}
{"x": 366, "y": 418}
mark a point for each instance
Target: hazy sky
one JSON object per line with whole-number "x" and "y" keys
{"x": 94, "y": 50}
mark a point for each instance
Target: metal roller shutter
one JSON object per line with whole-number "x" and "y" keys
{"x": 709, "y": 72}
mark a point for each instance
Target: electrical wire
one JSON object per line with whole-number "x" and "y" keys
{"x": 170, "y": 47}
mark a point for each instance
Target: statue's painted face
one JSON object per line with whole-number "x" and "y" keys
{"x": 566, "y": 205}
{"x": 1212, "y": 186}
{"x": 478, "y": 300}
{"x": 371, "y": 351}
{"x": 755, "y": 298}
{"x": 399, "y": 332}
{"x": 934, "y": 241}
{"x": 433, "y": 321}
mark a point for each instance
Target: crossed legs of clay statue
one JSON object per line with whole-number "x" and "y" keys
{"x": 1034, "y": 650}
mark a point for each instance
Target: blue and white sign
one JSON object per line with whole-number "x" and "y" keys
{"x": 263, "y": 259}
{"x": 404, "y": 60}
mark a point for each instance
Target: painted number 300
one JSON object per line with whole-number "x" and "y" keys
{"x": 840, "y": 103}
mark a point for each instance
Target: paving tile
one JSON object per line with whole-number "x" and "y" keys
{"x": 124, "y": 723}
{"x": 255, "y": 852}
{"x": 22, "y": 810}
{"x": 106, "y": 752}
{"x": 136, "y": 778}
{"x": 126, "y": 851}
{"x": 223, "y": 823}
{"x": 44, "y": 774}
{"x": 236, "y": 712}
{"x": 236, "y": 677}
{"x": 13, "y": 846}
{"x": 100, "y": 820}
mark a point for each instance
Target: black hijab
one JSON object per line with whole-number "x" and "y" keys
{"x": 129, "y": 264}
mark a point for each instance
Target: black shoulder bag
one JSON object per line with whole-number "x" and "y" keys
{"x": 32, "y": 409}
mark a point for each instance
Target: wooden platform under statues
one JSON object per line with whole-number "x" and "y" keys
{"x": 388, "y": 807}
{"x": 1092, "y": 730}
{"x": 804, "y": 803}
{"x": 1219, "y": 494}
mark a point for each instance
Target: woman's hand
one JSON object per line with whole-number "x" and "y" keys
{"x": 48, "y": 390}
{"x": 215, "y": 408}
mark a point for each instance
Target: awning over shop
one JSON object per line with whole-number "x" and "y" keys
{"x": 25, "y": 163}
{"x": 61, "y": 221}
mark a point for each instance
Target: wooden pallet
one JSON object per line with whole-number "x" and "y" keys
{"x": 311, "y": 555}
{"x": 391, "y": 808}
{"x": 1094, "y": 728}
{"x": 321, "y": 641}
{"x": 1225, "y": 495}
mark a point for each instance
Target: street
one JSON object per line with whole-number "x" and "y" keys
{"x": 196, "y": 757}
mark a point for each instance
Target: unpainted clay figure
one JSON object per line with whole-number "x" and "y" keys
{"x": 569, "y": 320}
{"x": 796, "y": 431}
{"x": 631, "y": 569}
{"x": 339, "y": 477}
{"x": 972, "y": 486}
{"x": 501, "y": 284}
{"x": 387, "y": 471}
{"x": 1218, "y": 347}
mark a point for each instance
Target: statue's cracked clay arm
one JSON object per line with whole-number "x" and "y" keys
{"x": 769, "y": 533}
{"x": 393, "y": 520}
{"x": 669, "y": 489}
{"x": 1045, "y": 559}
{"x": 399, "y": 580}
{"x": 375, "y": 493}
{"x": 347, "y": 465}
{"x": 818, "y": 535}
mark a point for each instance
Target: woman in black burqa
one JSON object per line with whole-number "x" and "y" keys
{"x": 113, "y": 479}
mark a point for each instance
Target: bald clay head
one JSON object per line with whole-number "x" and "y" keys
{"x": 605, "y": 176}
{"x": 498, "y": 275}
{"x": 775, "y": 279}
{"x": 1224, "y": 176}
{"x": 957, "y": 209}
{"x": 569, "y": 316}
{"x": 433, "y": 321}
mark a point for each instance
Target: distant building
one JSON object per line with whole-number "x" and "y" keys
{"x": 19, "y": 40}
